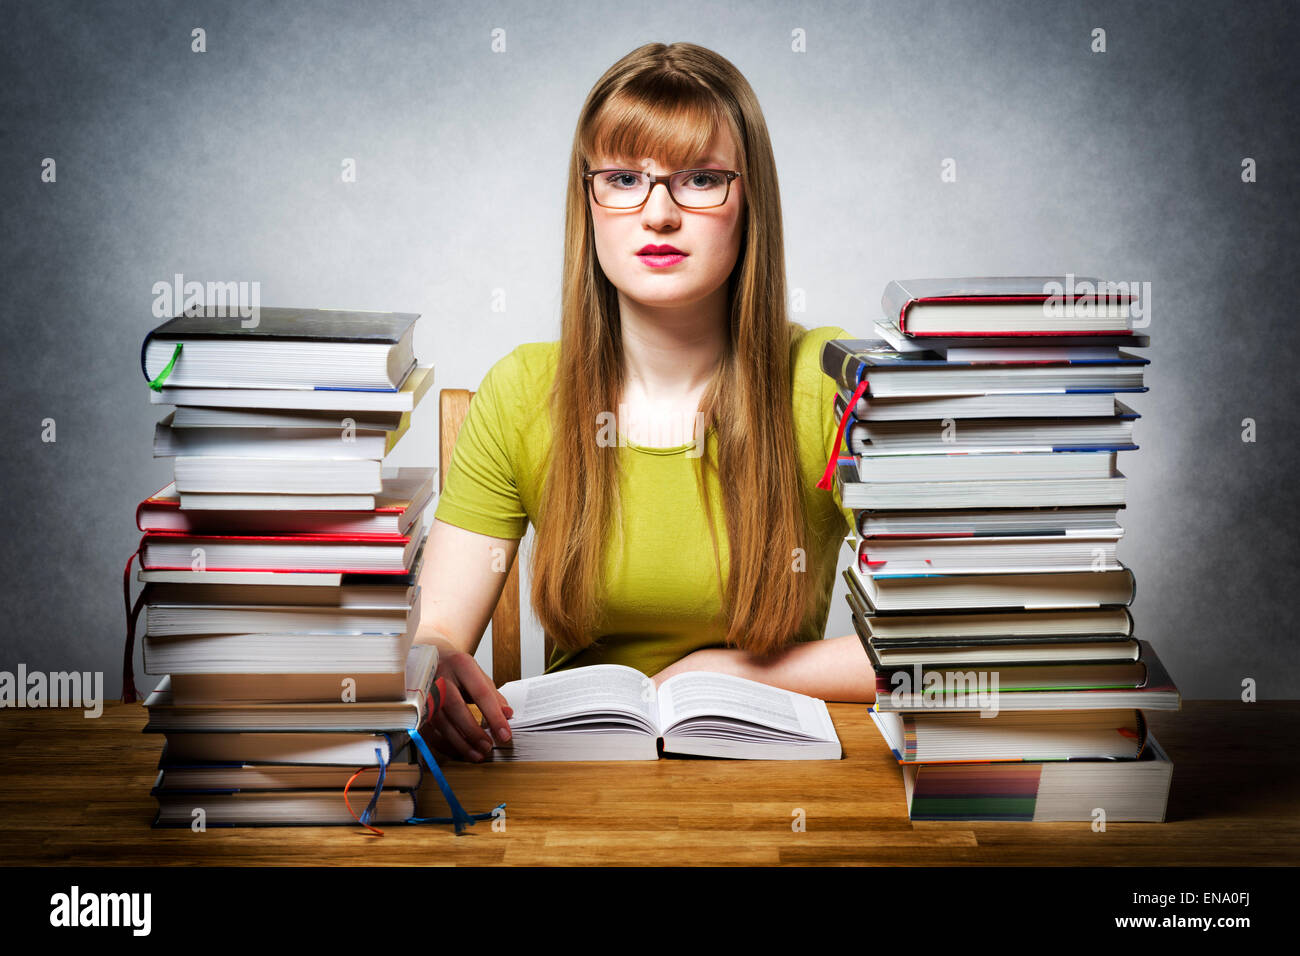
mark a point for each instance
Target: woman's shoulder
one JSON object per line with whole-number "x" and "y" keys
{"x": 806, "y": 343}
{"x": 521, "y": 372}
{"x": 813, "y": 391}
{"x": 806, "y": 355}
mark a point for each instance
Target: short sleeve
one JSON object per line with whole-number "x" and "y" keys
{"x": 481, "y": 492}
{"x": 830, "y": 388}
{"x": 830, "y": 428}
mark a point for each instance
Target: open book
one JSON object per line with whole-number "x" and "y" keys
{"x": 612, "y": 712}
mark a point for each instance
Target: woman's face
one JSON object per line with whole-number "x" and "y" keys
{"x": 708, "y": 238}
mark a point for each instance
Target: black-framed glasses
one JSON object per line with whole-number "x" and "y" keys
{"x": 689, "y": 188}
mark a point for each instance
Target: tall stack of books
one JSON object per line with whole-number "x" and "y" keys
{"x": 280, "y": 569}
{"x": 982, "y": 430}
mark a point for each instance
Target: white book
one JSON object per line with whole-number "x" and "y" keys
{"x": 961, "y": 627}
{"x": 173, "y": 779}
{"x": 985, "y": 466}
{"x": 241, "y": 501}
{"x": 612, "y": 712}
{"x": 1045, "y": 405}
{"x": 1073, "y": 347}
{"x": 1040, "y": 590}
{"x": 314, "y": 443}
{"x": 288, "y": 578}
{"x": 308, "y": 476}
{"x": 1007, "y": 521}
{"x": 342, "y": 713}
{"x": 933, "y": 436}
{"x": 277, "y": 809}
{"x": 373, "y": 556}
{"x": 415, "y": 387}
{"x": 1015, "y": 735}
{"x": 276, "y": 653}
{"x": 197, "y": 690}
{"x": 316, "y": 747}
{"x": 1002, "y": 380}
{"x": 1015, "y": 493}
{"x": 284, "y": 348}
{"x": 281, "y": 364}
{"x": 1069, "y": 353}
{"x": 168, "y": 620}
{"x": 266, "y": 586}
{"x": 990, "y": 555}
{"x": 395, "y": 597}
{"x": 199, "y": 416}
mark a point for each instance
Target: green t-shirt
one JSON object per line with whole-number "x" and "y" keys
{"x": 661, "y": 590}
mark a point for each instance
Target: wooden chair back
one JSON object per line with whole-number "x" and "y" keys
{"x": 453, "y": 405}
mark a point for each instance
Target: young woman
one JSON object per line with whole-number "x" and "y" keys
{"x": 667, "y": 448}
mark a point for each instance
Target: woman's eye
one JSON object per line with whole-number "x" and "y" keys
{"x": 623, "y": 180}
{"x": 703, "y": 180}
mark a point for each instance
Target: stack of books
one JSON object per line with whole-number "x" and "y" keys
{"x": 280, "y": 570}
{"x": 982, "y": 431}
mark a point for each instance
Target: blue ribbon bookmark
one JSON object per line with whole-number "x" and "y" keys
{"x": 379, "y": 787}
{"x": 458, "y": 817}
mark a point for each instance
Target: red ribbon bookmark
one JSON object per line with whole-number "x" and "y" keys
{"x": 826, "y": 481}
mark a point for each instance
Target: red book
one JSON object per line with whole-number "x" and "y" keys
{"x": 397, "y": 508}
{"x": 982, "y": 306}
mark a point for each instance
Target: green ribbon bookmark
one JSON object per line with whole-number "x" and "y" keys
{"x": 157, "y": 383}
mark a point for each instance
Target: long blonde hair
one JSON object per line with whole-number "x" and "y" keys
{"x": 667, "y": 102}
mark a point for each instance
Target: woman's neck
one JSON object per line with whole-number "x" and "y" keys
{"x": 669, "y": 358}
{"x": 671, "y": 355}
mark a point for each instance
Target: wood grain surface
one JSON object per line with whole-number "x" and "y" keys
{"x": 76, "y": 791}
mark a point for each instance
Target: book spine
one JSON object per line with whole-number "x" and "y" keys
{"x": 1144, "y": 734}
{"x": 144, "y": 347}
{"x": 894, "y": 301}
{"x": 841, "y": 363}
{"x": 153, "y": 499}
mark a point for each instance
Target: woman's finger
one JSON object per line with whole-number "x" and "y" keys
{"x": 445, "y": 725}
{"x": 459, "y": 717}
{"x": 485, "y": 694}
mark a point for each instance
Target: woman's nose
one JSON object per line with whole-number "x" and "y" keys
{"x": 659, "y": 209}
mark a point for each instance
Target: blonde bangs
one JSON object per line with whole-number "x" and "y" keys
{"x": 670, "y": 122}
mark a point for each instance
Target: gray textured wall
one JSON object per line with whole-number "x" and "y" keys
{"x": 225, "y": 165}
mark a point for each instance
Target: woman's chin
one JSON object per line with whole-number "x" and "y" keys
{"x": 664, "y": 295}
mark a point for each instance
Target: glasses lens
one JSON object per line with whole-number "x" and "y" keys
{"x": 699, "y": 187}
{"x": 619, "y": 188}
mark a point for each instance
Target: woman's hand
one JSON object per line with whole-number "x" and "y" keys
{"x": 454, "y": 731}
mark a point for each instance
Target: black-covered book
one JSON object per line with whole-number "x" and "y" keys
{"x": 891, "y": 373}
{"x": 282, "y": 348}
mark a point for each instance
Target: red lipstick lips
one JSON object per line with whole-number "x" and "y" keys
{"x": 658, "y": 257}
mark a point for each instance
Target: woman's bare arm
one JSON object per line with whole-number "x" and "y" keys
{"x": 834, "y": 669}
{"x": 460, "y": 584}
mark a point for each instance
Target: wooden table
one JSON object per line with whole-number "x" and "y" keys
{"x": 76, "y": 791}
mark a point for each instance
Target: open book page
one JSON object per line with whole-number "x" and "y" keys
{"x": 716, "y": 702}
{"x": 598, "y": 694}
